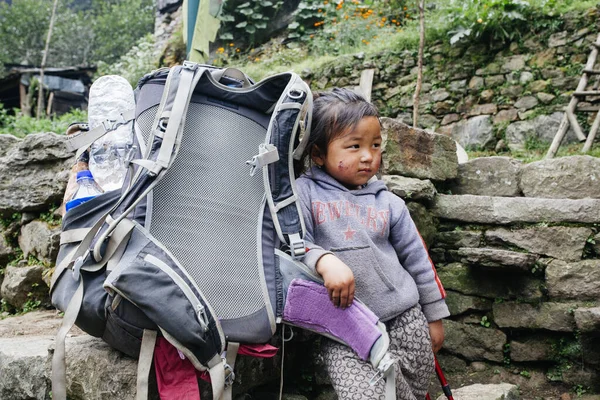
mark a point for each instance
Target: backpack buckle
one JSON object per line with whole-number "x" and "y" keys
{"x": 385, "y": 365}
{"x": 77, "y": 268}
{"x": 297, "y": 245}
{"x": 229, "y": 374}
{"x": 267, "y": 154}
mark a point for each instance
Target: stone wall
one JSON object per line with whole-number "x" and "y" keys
{"x": 484, "y": 96}
{"x": 516, "y": 247}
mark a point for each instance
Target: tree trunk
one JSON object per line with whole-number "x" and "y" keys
{"x": 40, "y": 104}
{"x": 420, "y": 63}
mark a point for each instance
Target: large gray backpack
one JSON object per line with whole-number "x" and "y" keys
{"x": 202, "y": 241}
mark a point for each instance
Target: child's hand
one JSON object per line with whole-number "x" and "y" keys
{"x": 339, "y": 280}
{"x": 436, "y": 331}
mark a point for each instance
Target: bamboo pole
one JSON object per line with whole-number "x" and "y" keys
{"x": 564, "y": 124}
{"x": 40, "y": 104}
{"x": 420, "y": 63}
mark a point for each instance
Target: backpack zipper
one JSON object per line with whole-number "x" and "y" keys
{"x": 196, "y": 304}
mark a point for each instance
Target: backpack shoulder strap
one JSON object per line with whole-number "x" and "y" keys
{"x": 291, "y": 116}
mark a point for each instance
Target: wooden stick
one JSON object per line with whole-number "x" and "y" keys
{"x": 40, "y": 104}
{"x": 590, "y": 139}
{"x": 366, "y": 83}
{"x": 420, "y": 63}
{"x": 564, "y": 124}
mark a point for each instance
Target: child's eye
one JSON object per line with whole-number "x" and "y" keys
{"x": 377, "y": 145}
{"x": 353, "y": 146}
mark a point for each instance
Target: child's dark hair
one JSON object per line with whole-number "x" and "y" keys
{"x": 334, "y": 113}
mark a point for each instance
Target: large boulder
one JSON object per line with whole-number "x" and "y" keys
{"x": 509, "y": 210}
{"x": 490, "y": 284}
{"x": 562, "y": 242}
{"x": 459, "y": 303}
{"x": 533, "y": 348}
{"x": 573, "y": 280}
{"x": 557, "y": 317}
{"x": 497, "y": 258}
{"x": 588, "y": 319}
{"x": 540, "y": 129}
{"x": 23, "y": 284}
{"x": 417, "y": 153}
{"x": 474, "y": 342}
{"x": 40, "y": 240}
{"x": 574, "y": 177}
{"x": 410, "y": 188}
{"x": 6, "y": 250}
{"x": 475, "y": 133}
{"x": 33, "y": 172}
{"x": 458, "y": 238}
{"x": 488, "y": 176}
{"x": 499, "y": 391}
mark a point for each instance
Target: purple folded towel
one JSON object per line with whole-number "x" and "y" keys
{"x": 308, "y": 306}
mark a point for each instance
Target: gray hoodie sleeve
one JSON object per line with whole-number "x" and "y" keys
{"x": 314, "y": 252}
{"x": 414, "y": 257}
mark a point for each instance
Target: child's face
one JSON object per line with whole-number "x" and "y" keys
{"x": 354, "y": 157}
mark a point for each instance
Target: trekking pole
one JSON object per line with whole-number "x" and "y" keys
{"x": 443, "y": 382}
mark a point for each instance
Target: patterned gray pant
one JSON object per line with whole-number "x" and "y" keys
{"x": 410, "y": 345}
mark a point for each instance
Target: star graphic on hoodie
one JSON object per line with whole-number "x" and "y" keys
{"x": 349, "y": 233}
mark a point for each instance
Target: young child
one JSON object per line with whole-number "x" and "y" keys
{"x": 362, "y": 240}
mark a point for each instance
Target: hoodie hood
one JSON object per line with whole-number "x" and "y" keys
{"x": 327, "y": 182}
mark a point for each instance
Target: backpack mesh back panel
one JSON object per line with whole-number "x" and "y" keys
{"x": 208, "y": 218}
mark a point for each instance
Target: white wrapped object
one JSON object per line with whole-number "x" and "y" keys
{"x": 110, "y": 96}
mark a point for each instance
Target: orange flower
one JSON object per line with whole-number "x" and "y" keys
{"x": 220, "y": 50}
{"x": 230, "y": 44}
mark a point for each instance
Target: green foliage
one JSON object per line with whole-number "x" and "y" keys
{"x": 79, "y": 37}
{"x": 246, "y": 22}
{"x": 20, "y": 125}
{"x": 138, "y": 61}
{"x": 579, "y": 390}
{"x": 525, "y": 374}
{"x": 118, "y": 24}
{"x": 23, "y": 27}
{"x": 31, "y": 304}
{"x": 506, "y": 351}
{"x": 485, "y": 322}
{"x": 50, "y": 218}
{"x": 7, "y": 221}
{"x": 487, "y": 20}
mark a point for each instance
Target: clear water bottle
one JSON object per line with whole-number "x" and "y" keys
{"x": 87, "y": 189}
{"x": 110, "y": 96}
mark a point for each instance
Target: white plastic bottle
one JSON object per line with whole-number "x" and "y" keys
{"x": 87, "y": 189}
{"x": 110, "y": 96}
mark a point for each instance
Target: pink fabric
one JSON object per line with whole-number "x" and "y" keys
{"x": 175, "y": 377}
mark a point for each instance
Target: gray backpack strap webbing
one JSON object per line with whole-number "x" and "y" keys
{"x": 59, "y": 370}
{"x": 75, "y": 260}
{"x": 232, "y": 352}
{"x": 83, "y": 139}
{"x": 145, "y": 363}
{"x": 290, "y": 113}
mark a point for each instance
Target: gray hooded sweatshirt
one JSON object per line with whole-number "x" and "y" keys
{"x": 371, "y": 231}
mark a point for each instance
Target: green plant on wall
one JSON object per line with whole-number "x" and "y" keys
{"x": 245, "y": 22}
{"x": 491, "y": 20}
